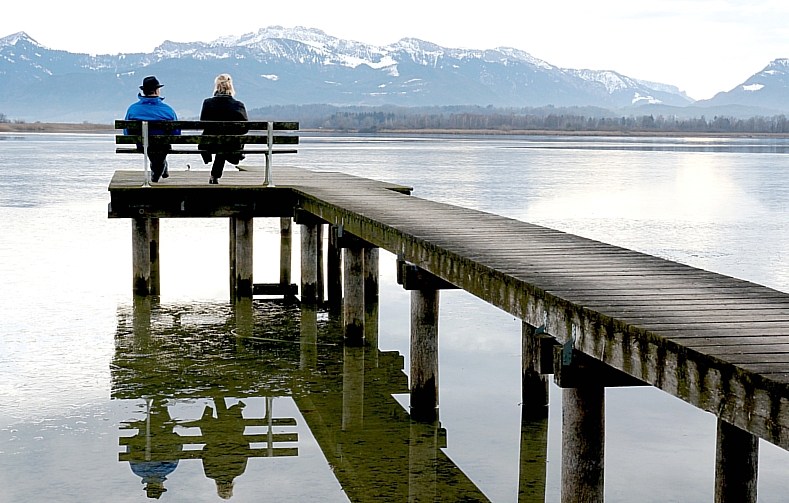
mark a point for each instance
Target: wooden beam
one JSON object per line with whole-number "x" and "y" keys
{"x": 416, "y": 278}
{"x": 215, "y": 125}
{"x": 141, "y": 256}
{"x": 289, "y": 290}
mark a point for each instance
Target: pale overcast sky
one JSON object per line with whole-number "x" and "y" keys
{"x": 702, "y": 46}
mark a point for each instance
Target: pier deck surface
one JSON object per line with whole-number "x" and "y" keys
{"x": 719, "y": 343}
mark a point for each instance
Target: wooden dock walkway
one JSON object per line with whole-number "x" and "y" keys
{"x": 716, "y": 342}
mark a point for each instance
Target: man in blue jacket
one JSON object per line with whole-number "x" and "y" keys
{"x": 150, "y": 107}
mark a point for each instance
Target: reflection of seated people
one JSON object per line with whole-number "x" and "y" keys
{"x": 154, "y": 451}
{"x": 226, "y": 450}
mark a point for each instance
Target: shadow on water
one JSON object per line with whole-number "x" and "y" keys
{"x": 222, "y": 355}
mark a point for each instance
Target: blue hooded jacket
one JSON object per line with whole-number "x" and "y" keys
{"x": 151, "y": 109}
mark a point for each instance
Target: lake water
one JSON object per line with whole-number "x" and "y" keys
{"x": 98, "y": 390}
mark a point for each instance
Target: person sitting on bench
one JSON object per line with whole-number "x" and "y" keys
{"x": 151, "y": 107}
{"x": 222, "y": 107}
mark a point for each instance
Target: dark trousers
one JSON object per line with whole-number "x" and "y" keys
{"x": 219, "y": 161}
{"x": 157, "y": 164}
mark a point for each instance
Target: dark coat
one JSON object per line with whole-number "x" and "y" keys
{"x": 223, "y": 108}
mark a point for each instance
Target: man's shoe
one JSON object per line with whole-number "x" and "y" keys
{"x": 154, "y": 179}
{"x": 165, "y": 173}
{"x": 213, "y": 181}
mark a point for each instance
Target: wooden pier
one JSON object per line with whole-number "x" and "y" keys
{"x": 595, "y": 315}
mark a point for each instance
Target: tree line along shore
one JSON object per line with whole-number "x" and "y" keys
{"x": 482, "y": 124}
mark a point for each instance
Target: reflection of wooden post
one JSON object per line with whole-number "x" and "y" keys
{"x": 371, "y": 300}
{"x": 244, "y": 317}
{"x": 424, "y": 352}
{"x": 583, "y": 431}
{"x": 534, "y": 423}
{"x": 141, "y": 320}
{"x": 241, "y": 257}
{"x": 352, "y": 388}
{"x": 334, "y": 269}
{"x": 155, "y": 270}
{"x": 285, "y": 246}
{"x": 309, "y": 262}
{"x": 422, "y": 447}
{"x": 353, "y": 303}
{"x": 319, "y": 266}
{"x": 308, "y": 336}
{"x": 736, "y": 465}
{"x": 141, "y": 256}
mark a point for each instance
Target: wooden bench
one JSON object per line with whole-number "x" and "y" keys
{"x": 141, "y": 140}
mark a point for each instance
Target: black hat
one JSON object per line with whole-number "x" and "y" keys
{"x": 150, "y": 84}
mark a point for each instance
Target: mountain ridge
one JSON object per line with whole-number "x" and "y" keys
{"x": 278, "y": 66}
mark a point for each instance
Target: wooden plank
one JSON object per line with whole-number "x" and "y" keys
{"x": 197, "y": 152}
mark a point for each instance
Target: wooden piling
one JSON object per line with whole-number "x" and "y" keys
{"x": 155, "y": 288}
{"x": 309, "y": 262}
{"x": 334, "y": 269}
{"x": 285, "y": 247}
{"x": 736, "y": 465}
{"x": 353, "y": 388}
{"x": 583, "y": 432}
{"x": 141, "y": 256}
{"x": 319, "y": 284}
{"x": 534, "y": 385}
{"x": 353, "y": 303}
{"x": 424, "y": 351}
{"x": 371, "y": 279}
{"x": 241, "y": 233}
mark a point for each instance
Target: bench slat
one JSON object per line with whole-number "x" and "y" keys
{"x": 206, "y": 140}
{"x": 197, "y": 152}
{"x": 218, "y": 126}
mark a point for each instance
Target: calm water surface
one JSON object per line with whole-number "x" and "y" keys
{"x": 99, "y": 392}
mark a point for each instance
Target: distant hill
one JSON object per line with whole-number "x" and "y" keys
{"x": 279, "y": 66}
{"x": 768, "y": 89}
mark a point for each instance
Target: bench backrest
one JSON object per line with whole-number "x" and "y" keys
{"x": 223, "y": 133}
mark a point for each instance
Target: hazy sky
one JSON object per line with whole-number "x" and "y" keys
{"x": 702, "y": 46}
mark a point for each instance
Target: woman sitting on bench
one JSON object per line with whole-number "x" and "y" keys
{"x": 222, "y": 107}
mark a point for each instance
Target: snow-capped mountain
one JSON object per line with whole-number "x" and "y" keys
{"x": 296, "y": 66}
{"x": 766, "y": 89}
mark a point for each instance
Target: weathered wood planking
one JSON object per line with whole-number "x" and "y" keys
{"x": 719, "y": 343}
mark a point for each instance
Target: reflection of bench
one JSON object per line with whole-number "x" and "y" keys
{"x": 164, "y": 444}
{"x": 225, "y": 134}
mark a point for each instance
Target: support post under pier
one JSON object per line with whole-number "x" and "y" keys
{"x": 736, "y": 465}
{"x": 145, "y": 256}
{"x": 424, "y": 354}
{"x": 583, "y": 433}
{"x": 241, "y": 232}
{"x": 285, "y": 253}
{"x": 353, "y": 303}
{"x": 309, "y": 262}
{"x": 371, "y": 274}
{"x": 334, "y": 269}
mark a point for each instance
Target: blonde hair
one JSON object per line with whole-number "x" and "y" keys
{"x": 223, "y": 84}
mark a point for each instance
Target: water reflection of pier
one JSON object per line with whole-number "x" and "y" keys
{"x": 224, "y": 355}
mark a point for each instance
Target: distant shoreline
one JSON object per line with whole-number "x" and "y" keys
{"x": 54, "y": 127}
{"x": 59, "y": 127}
